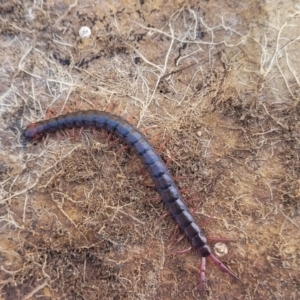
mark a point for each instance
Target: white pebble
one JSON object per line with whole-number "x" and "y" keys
{"x": 220, "y": 249}
{"x": 85, "y": 32}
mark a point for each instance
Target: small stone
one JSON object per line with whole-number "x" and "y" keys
{"x": 85, "y": 32}
{"x": 221, "y": 249}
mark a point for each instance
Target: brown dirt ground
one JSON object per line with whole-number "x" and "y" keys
{"x": 217, "y": 81}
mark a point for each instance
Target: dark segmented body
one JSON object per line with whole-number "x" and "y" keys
{"x": 162, "y": 178}
{"x": 158, "y": 170}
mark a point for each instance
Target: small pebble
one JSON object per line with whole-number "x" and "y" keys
{"x": 220, "y": 249}
{"x": 199, "y": 133}
{"x": 85, "y": 32}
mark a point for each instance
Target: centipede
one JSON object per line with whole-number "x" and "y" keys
{"x": 152, "y": 161}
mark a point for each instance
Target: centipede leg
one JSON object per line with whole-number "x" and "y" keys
{"x": 71, "y": 134}
{"x": 97, "y": 133}
{"x": 122, "y": 149}
{"x": 223, "y": 267}
{"x": 115, "y": 142}
{"x": 111, "y": 106}
{"x": 182, "y": 251}
{"x": 220, "y": 239}
{"x": 58, "y": 134}
{"x": 51, "y": 112}
{"x": 80, "y": 131}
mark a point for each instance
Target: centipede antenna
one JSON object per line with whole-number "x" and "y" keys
{"x": 23, "y": 140}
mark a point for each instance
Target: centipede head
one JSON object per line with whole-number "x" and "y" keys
{"x": 31, "y": 133}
